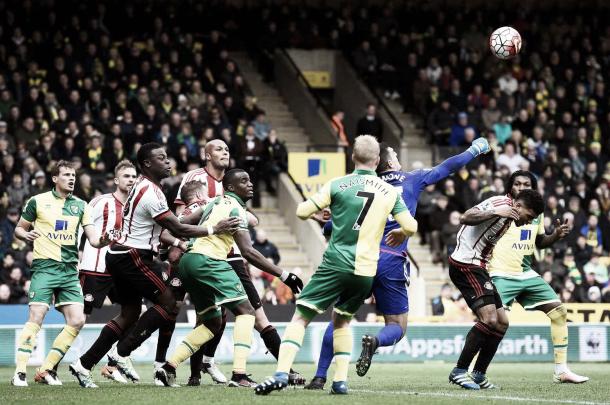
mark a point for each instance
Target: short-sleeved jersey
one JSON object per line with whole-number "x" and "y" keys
{"x": 218, "y": 246}
{"x": 475, "y": 243}
{"x": 57, "y": 220}
{"x": 145, "y": 205}
{"x": 106, "y": 213}
{"x": 360, "y": 205}
{"x": 213, "y": 186}
{"x": 514, "y": 252}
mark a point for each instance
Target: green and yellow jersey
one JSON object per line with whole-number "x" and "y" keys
{"x": 57, "y": 220}
{"x": 222, "y": 207}
{"x": 514, "y": 252}
{"x": 360, "y": 205}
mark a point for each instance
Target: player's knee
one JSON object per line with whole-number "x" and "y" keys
{"x": 490, "y": 320}
{"x": 214, "y": 324}
{"x": 77, "y": 321}
{"x": 559, "y": 313}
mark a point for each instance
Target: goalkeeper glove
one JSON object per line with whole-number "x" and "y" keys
{"x": 479, "y": 146}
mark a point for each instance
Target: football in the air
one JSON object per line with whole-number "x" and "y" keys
{"x": 505, "y": 42}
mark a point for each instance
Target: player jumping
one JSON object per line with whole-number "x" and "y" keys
{"x": 512, "y": 274}
{"x": 361, "y": 203}
{"x": 391, "y": 280}
{"x": 482, "y": 226}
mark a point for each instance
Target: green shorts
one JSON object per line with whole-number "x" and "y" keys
{"x": 329, "y": 285}
{"x": 54, "y": 281}
{"x": 530, "y": 293}
{"x": 210, "y": 283}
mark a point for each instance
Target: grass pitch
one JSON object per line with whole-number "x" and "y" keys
{"x": 385, "y": 383}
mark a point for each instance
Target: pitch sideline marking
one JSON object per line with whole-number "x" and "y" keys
{"x": 485, "y": 397}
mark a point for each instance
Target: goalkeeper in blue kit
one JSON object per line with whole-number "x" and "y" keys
{"x": 390, "y": 283}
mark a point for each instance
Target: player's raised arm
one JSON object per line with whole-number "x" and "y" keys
{"x": 315, "y": 203}
{"x": 447, "y": 167}
{"x": 476, "y": 215}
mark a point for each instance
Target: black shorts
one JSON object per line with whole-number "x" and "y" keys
{"x": 475, "y": 285}
{"x": 135, "y": 275}
{"x": 244, "y": 275}
{"x": 96, "y": 287}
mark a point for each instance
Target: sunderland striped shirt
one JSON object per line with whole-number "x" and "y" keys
{"x": 145, "y": 205}
{"x": 213, "y": 185}
{"x": 475, "y": 243}
{"x": 106, "y": 214}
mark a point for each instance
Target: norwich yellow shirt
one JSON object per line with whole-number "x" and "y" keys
{"x": 57, "y": 220}
{"x": 222, "y": 207}
{"x": 513, "y": 255}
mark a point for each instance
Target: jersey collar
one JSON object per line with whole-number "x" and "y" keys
{"x": 56, "y": 194}
{"x": 238, "y": 198}
{"x": 365, "y": 171}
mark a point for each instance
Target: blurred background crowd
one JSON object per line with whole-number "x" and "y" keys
{"x": 91, "y": 86}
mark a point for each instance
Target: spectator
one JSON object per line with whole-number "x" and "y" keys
{"x": 510, "y": 158}
{"x": 370, "y": 124}
{"x": 597, "y": 268}
{"x": 250, "y": 152}
{"x": 339, "y": 128}
{"x": 7, "y": 228}
{"x": 276, "y": 159}
{"x": 592, "y": 232}
{"x": 5, "y": 294}
{"x": 265, "y": 247}
{"x": 261, "y": 126}
{"x": 440, "y": 122}
{"x": 458, "y": 130}
{"x": 444, "y": 300}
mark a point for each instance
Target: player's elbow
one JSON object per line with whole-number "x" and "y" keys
{"x": 302, "y": 210}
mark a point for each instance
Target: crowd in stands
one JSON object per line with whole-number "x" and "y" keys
{"x": 91, "y": 86}
{"x": 91, "y": 82}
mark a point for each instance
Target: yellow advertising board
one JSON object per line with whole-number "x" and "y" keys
{"x": 317, "y": 79}
{"x": 577, "y": 313}
{"x": 310, "y": 170}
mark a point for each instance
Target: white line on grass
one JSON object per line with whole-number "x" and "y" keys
{"x": 481, "y": 397}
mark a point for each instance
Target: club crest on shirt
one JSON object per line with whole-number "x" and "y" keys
{"x": 74, "y": 209}
{"x": 488, "y": 285}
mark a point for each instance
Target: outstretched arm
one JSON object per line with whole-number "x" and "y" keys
{"x": 561, "y": 231}
{"x": 476, "y": 216}
{"x": 451, "y": 165}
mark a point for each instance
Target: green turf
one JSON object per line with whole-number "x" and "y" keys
{"x": 385, "y": 384}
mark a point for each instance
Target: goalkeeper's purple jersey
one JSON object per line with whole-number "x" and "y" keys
{"x": 410, "y": 185}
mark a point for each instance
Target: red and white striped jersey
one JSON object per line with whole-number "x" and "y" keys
{"x": 475, "y": 243}
{"x": 213, "y": 185}
{"x": 145, "y": 204}
{"x": 107, "y": 214}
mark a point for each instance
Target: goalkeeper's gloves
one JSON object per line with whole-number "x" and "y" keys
{"x": 479, "y": 146}
{"x": 293, "y": 281}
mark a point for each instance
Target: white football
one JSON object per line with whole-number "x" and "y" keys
{"x": 505, "y": 42}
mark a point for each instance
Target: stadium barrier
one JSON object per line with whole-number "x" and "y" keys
{"x": 424, "y": 342}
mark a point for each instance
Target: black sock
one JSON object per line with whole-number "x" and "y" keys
{"x": 165, "y": 337}
{"x": 208, "y": 349}
{"x": 148, "y": 323}
{"x": 110, "y": 334}
{"x": 488, "y": 350}
{"x": 474, "y": 340}
{"x": 272, "y": 340}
